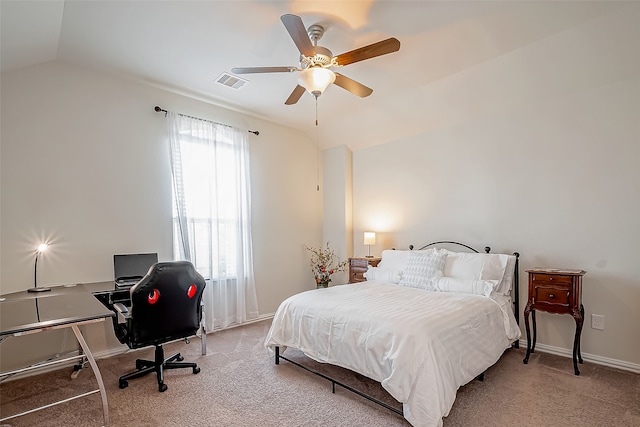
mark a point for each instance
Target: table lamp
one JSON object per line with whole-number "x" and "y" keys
{"x": 41, "y": 248}
{"x": 369, "y": 239}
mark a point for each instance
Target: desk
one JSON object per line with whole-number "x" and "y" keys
{"x": 24, "y": 313}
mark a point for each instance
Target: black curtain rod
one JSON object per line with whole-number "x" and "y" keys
{"x": 160, "y": 110}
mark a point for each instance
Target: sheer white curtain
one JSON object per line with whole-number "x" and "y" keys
{"x": 211, "y": 214}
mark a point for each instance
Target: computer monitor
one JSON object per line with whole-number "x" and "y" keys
{"x": 128, "y": 269}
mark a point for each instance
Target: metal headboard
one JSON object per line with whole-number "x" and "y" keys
{"x": 487, "y": 249}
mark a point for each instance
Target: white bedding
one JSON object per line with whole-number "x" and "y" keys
{"x": 420, "y": 345}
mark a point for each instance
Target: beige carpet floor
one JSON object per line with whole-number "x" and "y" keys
{"x": 240, "y": 385}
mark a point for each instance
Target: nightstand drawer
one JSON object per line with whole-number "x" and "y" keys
{"x": 359, "y": 264}
{"x": 357, "y": 276}
{"x": 539, "y": 278}
{"x": 549, "y": 295}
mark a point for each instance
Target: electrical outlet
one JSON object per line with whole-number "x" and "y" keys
{"x": 597, "y": 321}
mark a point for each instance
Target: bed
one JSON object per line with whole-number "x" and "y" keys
{"x": 424, "y": 323}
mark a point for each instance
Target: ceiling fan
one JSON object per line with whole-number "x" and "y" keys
{"x": 316, "y": 61}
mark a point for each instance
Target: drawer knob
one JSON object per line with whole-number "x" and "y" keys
{"x": 552, "y": 296}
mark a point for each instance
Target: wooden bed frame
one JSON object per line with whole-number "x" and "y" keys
{"x": 516, "y": 303}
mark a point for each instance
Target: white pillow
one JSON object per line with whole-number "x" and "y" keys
{"x": 397, "y": 260}
{"x": 421, "y": 268}
{"x": 475, "y": 266}
{"x": 393, "y": 260}
{"x": 505, "y": 285}
{"x": 383, "y": 275}
{"x": 494, "y": 266}
{"x": 466, "y": 286}
{"x": 464, "y": 265}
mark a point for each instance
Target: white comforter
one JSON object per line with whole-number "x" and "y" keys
{"x": 420, "y": 345}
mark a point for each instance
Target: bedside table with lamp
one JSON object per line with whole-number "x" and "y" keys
{"x": 359, "y": 265}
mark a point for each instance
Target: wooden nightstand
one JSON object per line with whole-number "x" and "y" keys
{"x": 358, "y": 266}
{"x": 555, "y": 291}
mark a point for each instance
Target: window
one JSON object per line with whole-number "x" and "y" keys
{"x": 211, "y": 213}
{"x": 213, "y": 210}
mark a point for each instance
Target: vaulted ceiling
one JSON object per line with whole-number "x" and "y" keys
{"x": 458, "y": 59}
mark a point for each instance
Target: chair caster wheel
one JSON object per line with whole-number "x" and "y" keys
{"x": 162, "y": 387}
{"x": 124, "y": 384}
{"x": 196, "y": 370}
{"x": 139, "y": 364}
{"x": 180, "y": 358}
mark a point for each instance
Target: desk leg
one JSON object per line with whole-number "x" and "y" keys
{"x": 203, "y": 332}
{"x": 96, "y": 372}
{"x": 203, "y": 340}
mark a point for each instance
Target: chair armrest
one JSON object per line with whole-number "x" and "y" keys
{"x": 122, "y": 312}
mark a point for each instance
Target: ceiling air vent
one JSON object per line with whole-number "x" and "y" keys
{"x": 231, "y": 81}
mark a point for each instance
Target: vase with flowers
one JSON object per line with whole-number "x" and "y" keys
{"x": 324, "y": 263}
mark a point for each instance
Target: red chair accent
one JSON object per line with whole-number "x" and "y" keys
{"x": 153, "y": 296}
{"x": 191, "y": 291}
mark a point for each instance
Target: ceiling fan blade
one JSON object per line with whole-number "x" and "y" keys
{"x": 251, "y": 70}
{"x": 297, "y": 31}
{"x": 371, "y": 51}
{"x": 352, "y": 86}
{"x": 295, "y": 95}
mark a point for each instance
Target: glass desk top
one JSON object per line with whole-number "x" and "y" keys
{"x": 21, "y": 312}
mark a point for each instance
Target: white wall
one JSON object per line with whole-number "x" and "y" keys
{"x": 337, "y": 203}
{"x": 556, "y": 180}
{"x": 85, "y": 166}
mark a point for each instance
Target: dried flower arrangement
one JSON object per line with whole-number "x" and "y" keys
{"x": 324, "y": 263}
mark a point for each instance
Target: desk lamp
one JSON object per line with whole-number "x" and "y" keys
{"x": 369, "y": 239}
{"x": 41, "y": 248}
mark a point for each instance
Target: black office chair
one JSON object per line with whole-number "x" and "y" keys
{"x": 165, "y": 306}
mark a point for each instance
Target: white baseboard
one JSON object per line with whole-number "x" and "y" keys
{"x": 248, "y": 322}
{"x": 600, "y": 360}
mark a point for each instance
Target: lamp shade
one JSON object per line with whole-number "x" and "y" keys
{"x": 316, "y": 79}
{"x": 369, "y": 238}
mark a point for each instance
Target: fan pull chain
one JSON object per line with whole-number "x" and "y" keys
{"x": 317, "y": 151}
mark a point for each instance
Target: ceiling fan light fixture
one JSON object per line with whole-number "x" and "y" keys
{"x": 316, "y": 79}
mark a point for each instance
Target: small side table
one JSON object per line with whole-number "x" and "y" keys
{"x": 555, "y": 291}
{"x": 358, "y": 266}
